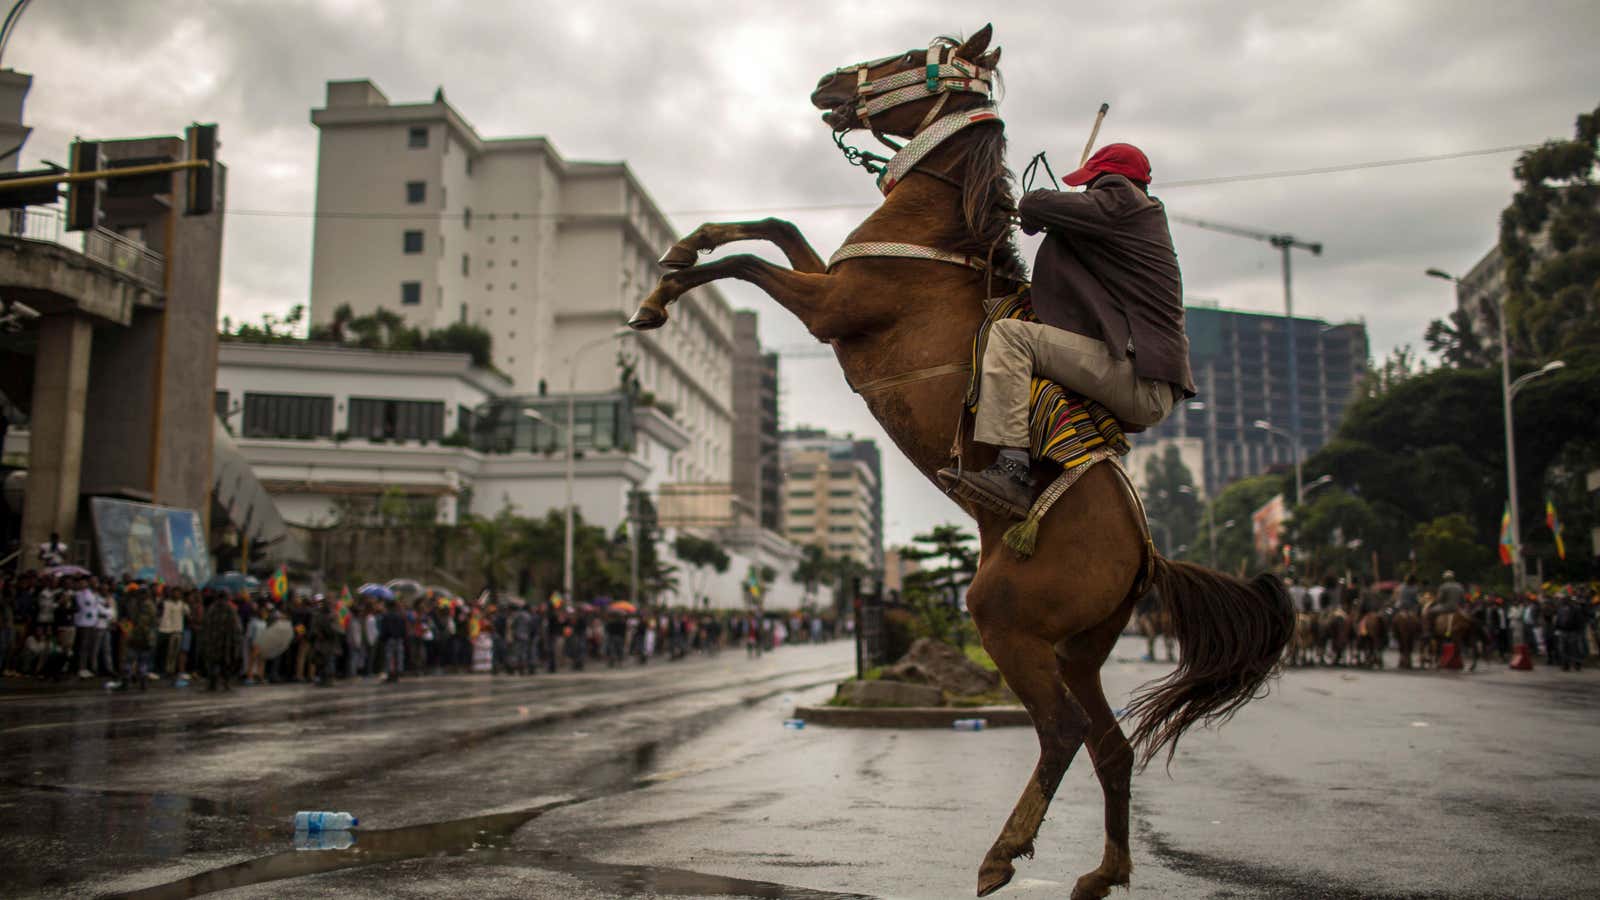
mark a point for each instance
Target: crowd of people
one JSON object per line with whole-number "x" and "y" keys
{"x": 1559, "y": 622}
{"x": 58, "y": 626}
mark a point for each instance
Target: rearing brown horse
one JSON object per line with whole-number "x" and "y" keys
{"x": 901, "y": 322}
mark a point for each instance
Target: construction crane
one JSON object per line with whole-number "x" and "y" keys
{"x": 1284, "y": 243}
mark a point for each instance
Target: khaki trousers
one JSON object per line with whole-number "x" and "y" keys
{"x": 1018, "y": 350}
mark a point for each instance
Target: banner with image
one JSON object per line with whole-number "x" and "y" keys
{"x": 149, "y": 542}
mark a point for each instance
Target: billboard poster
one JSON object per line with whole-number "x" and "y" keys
{"x": 148, "y": 542}
{"x": 1266, "y": 525}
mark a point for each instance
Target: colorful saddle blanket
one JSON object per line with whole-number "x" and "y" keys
{"x": 1063, "y": 426}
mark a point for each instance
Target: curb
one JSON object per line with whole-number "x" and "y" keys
{"x": 912, "y": 716}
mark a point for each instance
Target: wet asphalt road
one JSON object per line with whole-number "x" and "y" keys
{"x": 679, "y": 780}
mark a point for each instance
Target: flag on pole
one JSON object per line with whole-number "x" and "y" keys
{"x": 1555, "y": 526}
{"x": 345, "y": 603}
{"x": 1507, "y": 551}
{"x": 278, "y": 584}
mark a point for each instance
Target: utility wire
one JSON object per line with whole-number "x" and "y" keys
{"x": 818, "y": 207}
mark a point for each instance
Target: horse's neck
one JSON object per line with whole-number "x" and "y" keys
{"x": 932, "y": 322}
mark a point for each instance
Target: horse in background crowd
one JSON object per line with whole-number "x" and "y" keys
{"x": 1372, "y": 636}
{"x": 1334, "y": 636}
{"x": 1307, "y": 637}
{"x": 1459, "y": 628}
{"x": 1154, "y": 622}
{"x": 1407, "y": 627}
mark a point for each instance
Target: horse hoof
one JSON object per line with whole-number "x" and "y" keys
{"x": 994, "y": 875}
{"x": 647, "y": 318}
{"x": 679, "y": 257}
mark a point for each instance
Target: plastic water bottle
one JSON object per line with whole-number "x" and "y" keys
{"x": 969, "y": 724}
{"x": 324, "y": 840}
{"x": 314, "y": 822}
{"x": 795, "y": 724}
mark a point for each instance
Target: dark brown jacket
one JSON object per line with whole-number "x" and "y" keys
{"x": 1107, "y": 270}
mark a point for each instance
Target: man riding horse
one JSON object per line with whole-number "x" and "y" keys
{"x": 1451, "y": 593}
{"x": 1109, "y": 299}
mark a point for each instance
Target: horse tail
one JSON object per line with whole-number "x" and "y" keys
{"x": 1232, "y": 633}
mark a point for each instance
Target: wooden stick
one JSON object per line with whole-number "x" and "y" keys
{"x": 1094, "y": 133}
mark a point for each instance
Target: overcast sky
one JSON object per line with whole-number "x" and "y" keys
{"x": 707, "y": 103}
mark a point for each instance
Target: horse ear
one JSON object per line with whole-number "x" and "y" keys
{"x": 990, "y": 60}
{"x": 974, "y": 46}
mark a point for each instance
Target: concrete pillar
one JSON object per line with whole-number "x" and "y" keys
{"x": 55, "y": 446}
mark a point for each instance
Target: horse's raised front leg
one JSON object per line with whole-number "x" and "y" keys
{"x": 1028, "y": 663}
{"x": 802, "y": 293}
{"x": 712, "y": 235}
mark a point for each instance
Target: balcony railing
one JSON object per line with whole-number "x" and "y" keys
{"x": 45, "y": 223}
{"x": 34, "y": 223}
{"x": 124, "y": 255}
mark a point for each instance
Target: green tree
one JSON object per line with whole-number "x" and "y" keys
{"x": 1553, "y": 300}
{"x": 1230, "y": 512}
{"x": 1457, "y": 341}
{"x": 703, "y": 557}
{"x": 494, "y": 541}
{"x": 1451, "y": 542}
{"x": 1171, "y": 500}
{"x": 934, "y": 591}
{"x": 1337, "y": 530}
{"x": 814, "y": 569}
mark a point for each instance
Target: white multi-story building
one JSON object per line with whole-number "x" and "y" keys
{"x": 338, "y": 434}
{"x": 418, "y": 214}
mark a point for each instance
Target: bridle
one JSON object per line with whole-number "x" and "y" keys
{"x": 943, "y": 75}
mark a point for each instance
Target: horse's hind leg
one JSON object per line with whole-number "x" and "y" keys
{"x": 1109, "y": 750}
{"x": 1028, "y": 663}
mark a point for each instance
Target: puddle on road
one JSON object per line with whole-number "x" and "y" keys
{"x": 490, "y": 837}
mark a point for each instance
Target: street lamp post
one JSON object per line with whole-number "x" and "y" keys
{"x": 1508, "y": 392}
{"x": 572, "y": 451}
{"x": 1294, "y": 449}
{"x": 1211, "y": 527}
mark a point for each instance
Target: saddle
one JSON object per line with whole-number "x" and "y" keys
{"x": 1065, "y": 428}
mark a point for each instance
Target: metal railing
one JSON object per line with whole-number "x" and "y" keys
{"x": 34, "y": 223}
{"x": 124, "y": 255}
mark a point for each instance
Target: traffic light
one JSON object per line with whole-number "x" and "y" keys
{"x": 83, "y": 197}
{"x": 201, "y": 144}
{"x": 38, "y": 195}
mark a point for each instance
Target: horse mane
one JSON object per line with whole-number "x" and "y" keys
{"x": 987, "y": 200}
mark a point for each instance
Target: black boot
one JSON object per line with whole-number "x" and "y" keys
{"x": 1006, "y": 486}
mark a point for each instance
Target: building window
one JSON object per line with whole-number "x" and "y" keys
{"x": 466, "y": 218}
{"x": 800, "y": 511}
{"x": 410, "y": 293}
{"x": 219, "y": 404}
{"x": 419, "y": 420}
{"x": 416, "y": 192}
{"x": 801, "y": 529}
{"x": 840, "y": 493}
{"x": 417, "y": 137}
{"x": 287, "y": 416}
{"x": 412, "y": 242}
{"x": 466, "y": 264}
{"x": 463, "y": 312}
{"x": 802, "y": 493}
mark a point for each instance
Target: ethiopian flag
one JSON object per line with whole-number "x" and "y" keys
{"x": 1507, "y": 551}
{"x": 345, "y": 602}
{"x": 278, "y": 584}
{"x": 1555, "y": 526}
